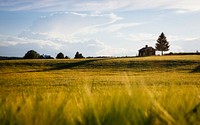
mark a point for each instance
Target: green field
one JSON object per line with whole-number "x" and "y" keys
{"x": 154, "y": 90}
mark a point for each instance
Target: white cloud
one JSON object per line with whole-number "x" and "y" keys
{"x": 181, "y": 11}
{"x": 110, "y": 51}
{"x": 89, "y": 47}
{"x": 14, "y": 40}
{"x": 153, "y": 37}
{"x": 119, "y": 26}
{"x": 103, "y": 5}
{"x": 187, "y": 5}
{"x": 176, "y": 49}
{"x": 141, "y": 37}
{"x": 79, "y": 14}
{"x": 39, "y": 5}
{"x": 78, "y": 30}
{"x": 99, "y": 32}
{"x": 70, "y": 26}
{"x": 181, "y": 38}
{"x": 6, "y": 40}
{"x": 64, "y": 25}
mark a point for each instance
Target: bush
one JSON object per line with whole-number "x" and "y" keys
{"x": 66, "y": 57}
{"x": 31, "y": 54}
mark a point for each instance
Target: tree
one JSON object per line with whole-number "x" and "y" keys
{"x": 60, "y": 56}
{"x": 31, "y": 54}
{"x": 162, "y": 43}
{"x": 78, "y": 55}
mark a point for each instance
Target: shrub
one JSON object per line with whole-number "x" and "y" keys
{"x": 66, "y": 57}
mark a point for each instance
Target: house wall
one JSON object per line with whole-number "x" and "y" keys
{"x": 147, "y": 52}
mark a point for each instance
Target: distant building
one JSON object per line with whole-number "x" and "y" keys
{"x": 147, "y": 51}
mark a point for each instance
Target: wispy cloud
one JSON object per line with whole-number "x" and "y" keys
{"x": 70, "y": 25}
{"x": 120, "y": 26}
{"x": 94, "y": 27}
{"x": 103, "y": 5}
{"x": 15, "y": 40}
{"x": 142, "y": 37}
{"x": 39, "y": 5}
{"x": 89, "y": 47}
{"x": 61, "y": 31}
{"x": 69, "y": 32}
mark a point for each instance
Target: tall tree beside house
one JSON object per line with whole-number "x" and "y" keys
{"x": 162, "y": 43}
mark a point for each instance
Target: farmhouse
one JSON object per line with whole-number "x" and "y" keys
{"x": 147, "y": 51}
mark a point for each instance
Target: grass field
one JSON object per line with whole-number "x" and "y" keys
{"x": 124, "y": 91}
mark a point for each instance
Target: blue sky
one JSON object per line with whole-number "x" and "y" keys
{"x": 97, "y": 27}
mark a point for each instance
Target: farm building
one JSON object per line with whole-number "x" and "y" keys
{"x": 147, "y": 51}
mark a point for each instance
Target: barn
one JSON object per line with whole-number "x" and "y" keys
{"x": 147, "y": 51}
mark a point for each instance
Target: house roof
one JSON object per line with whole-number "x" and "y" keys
{"x": 147, "y": 48}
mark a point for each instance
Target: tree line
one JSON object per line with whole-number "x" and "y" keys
{"x": 32, "y": 54}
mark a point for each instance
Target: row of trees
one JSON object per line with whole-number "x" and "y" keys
{"x": 77, "y": 56}
{"x": 32, "y": 54}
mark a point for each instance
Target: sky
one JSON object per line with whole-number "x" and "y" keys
{"x": 97, "y": 27}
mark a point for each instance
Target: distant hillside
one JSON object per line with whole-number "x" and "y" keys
{"x": 181, "y": 63}
{"x": 184, "y": 53}
{"x": 9, "y": 58}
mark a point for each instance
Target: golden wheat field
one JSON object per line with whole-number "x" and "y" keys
{"x": 157, "y": 90}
